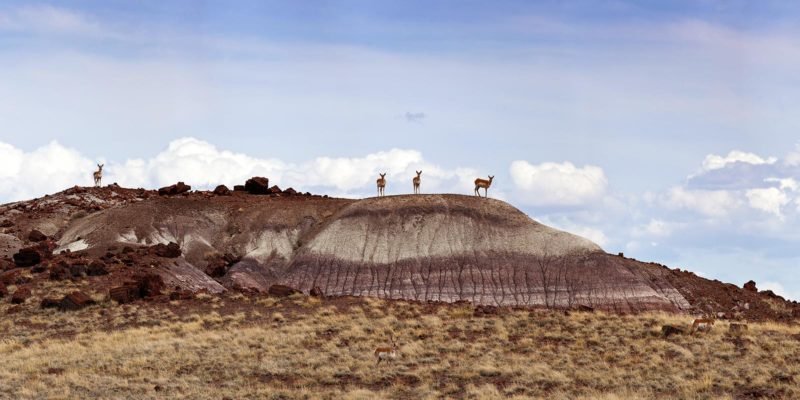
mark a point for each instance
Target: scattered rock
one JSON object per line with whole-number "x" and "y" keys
{"x": 238, "y": 188}
{"x": 171, "y": 250}
{"x": 50, "y": 303}
{"x": 36, "y": 236}
{"x": 59, "y": 272}
{"x": 75, "y": 301}
{"x": 124, "y": 294}
{"x": 485, "y": 311}
{"x": 290, "y": 191}
{"x": 175, "y": 189}
{"x": 222, "y": 190}
{"x": 316, "y": 292}
{"x": 181, "y": 294}
{"x": 27, "y": 257}
{"x": 257, "y": 185}
{"x": 20, "y": 295}
{"x": 771, "y": 294}
{"x": 38, "y": 268}
{"x": 750, "y": 286}
{"x": 149, "y": 284}
{"x": 77, "y": 270}
{"x": 10, "y": 277}
{"x": 97, "y": 268}
{"x": 6, "y": 224}
{"x": 275, "y": 190}
{"x": 282, "y": 291}
{"x": 669, "y": 330}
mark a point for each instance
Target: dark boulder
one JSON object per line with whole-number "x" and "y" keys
{"x": 77, "y": 270}
{"x": 290, "y": 192}
{"x": 257, "y": 185}
{"x": 222, "y": 190}
{"x": 20, "y": 295}
{"x": 50, "y": 303}
{"x": 60, "y": 271}
{"x": 125, "y": 294}
{"x": 316, "y": 292}
{"x": 149, "y": 284}
{"x": 37, "y": 236}
{"x": 175, "y": 189}
{"x": 282, "y": 291}
{"x": 275, "y": 190}
{"x": 750, "y": 286}
{"x": 3, "y": 291}
{"x": 238, "y": 188}
{"x": 27, "y": 257}
{"x": 75, "y": 301}
{"x": 97, "y": 268}
{"x": 669, "y": 330}
{"x": 10, "y": 277}
{"x": 6, "y": 224}
{"x": 171, "y": 250}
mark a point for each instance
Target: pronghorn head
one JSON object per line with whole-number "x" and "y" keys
{"x": 490, "y": 178}
{"x": 100, "y": 167}
{"x": 383, "y": 175}
{"x": 418, "y": 173}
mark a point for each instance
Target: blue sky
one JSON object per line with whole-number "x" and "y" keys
{"x": 666, "y": 130}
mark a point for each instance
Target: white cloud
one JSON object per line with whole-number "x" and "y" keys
{"x": 713, "y": 161}
{"x": 785, "y": 183}
{"x": 769, "y": 200}
{"x": 554, "y": 184}
{"x": 793, "y": 158}
{"x": 655, "y": 227}
{"x": 714, "y": 203}
{"x": 47, "y": 169}
{"x": 202, "y": 165}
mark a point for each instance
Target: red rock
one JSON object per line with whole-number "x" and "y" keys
{"x": 75, "y": 301}
{"x": 290, "y": 191}
{"x": 6, "y": 224}
{"x": 59, "y": 272}
{"x": 36, "y": 236}
{"x": 257, "y": 185}
{"x": 77, "y": 270}
{"x": 97, "y": 268}
{"x": 222, "y": 190}
{"x": 175, "y": 189}
{"x": 150, "y": 284}
{"x": 124, "y": 294}
{"x": 181, "y": 294}
{"x": 171, "y": 250}
{"x": 27, "y": 257}
{"x": 282, "y": 291}
{"x": 238, "y": 188}
{"x": 3, "y": 291}
{"x": 750, "y": 286}
{"x": 20, "y": 295}
{"x": 50, "y": 303}
{"x": 316, "y": 292}
{"x": 10, "y": 277}
{"x": 275, "y": 190}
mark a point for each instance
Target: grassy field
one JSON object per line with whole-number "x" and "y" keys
{"x": 240, "y": 347}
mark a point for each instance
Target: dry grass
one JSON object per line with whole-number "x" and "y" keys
{"x": 240, "y": 347}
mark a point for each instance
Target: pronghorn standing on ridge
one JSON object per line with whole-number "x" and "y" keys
{"x": 98, "y": 175}
{"x": 416, "y": 181}
{"x": 381, "y": 184}
{"x": 484, "y": 184}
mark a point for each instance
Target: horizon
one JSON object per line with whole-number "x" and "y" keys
{"x": 665, "y": 132}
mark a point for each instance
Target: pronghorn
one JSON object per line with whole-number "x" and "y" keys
{"x": 381, "y": 184}
{"x": 416, "y": 182}
{"x": 701, "y": 324}
{"x": 98, "y": 175}
{"x": 483, "y": 183}
{"x": 386, "y": 353}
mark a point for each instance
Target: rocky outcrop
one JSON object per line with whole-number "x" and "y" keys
{"x": 174, "y": 190}
{"x": 36, "y": 236}
{"x": 27, "y": 257}
{"x": 20, "y": 295}
{"x": 257, "y": 185}
{"x": 222, "y": 190}
{"x": 750, "y": 286}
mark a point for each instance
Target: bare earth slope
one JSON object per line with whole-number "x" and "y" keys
{"x": 417, "y": 247}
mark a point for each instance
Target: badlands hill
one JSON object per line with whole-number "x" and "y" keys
{"x": 417, "y": 247}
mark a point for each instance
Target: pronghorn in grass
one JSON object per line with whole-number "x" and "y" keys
{"x": 702, "y": 324}
{"x": 386, "y": 353}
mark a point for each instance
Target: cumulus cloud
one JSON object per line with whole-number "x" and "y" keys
{"x": 713, "y": 161}
{"x": 714, "y": 203}
{"x": 554, "y": 184}
{"x": 655, "y": 228}
{"x": 769, "y": 200}
{"x": 203, "y": 165}
{"x": 47, "y": 169}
